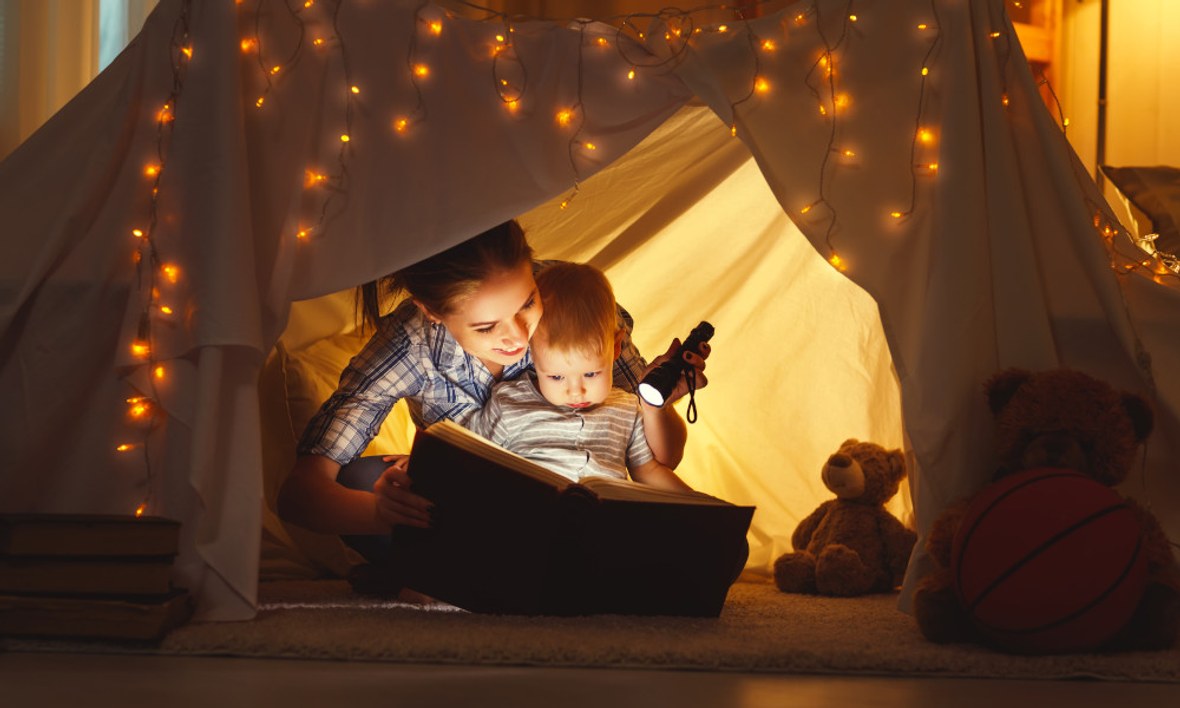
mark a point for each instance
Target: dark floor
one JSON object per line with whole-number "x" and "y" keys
{"x": 106, "y": 681}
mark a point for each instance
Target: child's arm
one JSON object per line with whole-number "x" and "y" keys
{"x": 657, "y": 475}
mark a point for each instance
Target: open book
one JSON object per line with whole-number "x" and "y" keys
{"x": 510, "y": 536}
{"x": 601, "y": 487}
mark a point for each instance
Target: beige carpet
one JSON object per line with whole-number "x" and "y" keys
{"x": 761, "y": 629}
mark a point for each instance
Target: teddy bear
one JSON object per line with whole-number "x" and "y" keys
{"x": 851, "y": 545}
{"x": 1065, "y": 419}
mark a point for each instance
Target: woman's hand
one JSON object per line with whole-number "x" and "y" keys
{"x": 396, "y": 504}
{"x": 693, "y": 359}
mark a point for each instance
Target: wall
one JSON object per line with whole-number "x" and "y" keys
{"x": 1143, "y": 113}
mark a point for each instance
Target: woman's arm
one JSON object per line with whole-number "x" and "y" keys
{"x": 310, "y": 497}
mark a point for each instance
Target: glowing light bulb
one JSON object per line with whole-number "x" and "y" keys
{"x": 837, "y": 262}
{"x": 400, "y": 125}
{"x": 1004, "y": 100}
{"x": 345, "y": 137}
{"x": 187, "y": 51}
{"x": 932, "y": 167}
{"x": 733, "y": 130}
{"x": 852, "y": 18}
{"x": 806, "y": 209}
{"x": 159, "y": 372}
{"x": 500, "y": 38}
{"x": 723, "y": 28}
{"x": 354, "y": 89}
{"x": 139, "y": 409}
{"x": 138, "y": 233}
{"x": 800, "y": 18}
{"x": 125, "y": 447}
{"x": 768, "y": 45}
{"x": 311, "y": 178}
{"x": 564, "y": 203}
{"x": 421, "y": 71}
{"x": 631, "y": 74}
{"x": 896, "y": 214}
{"x": 140, "y": 348}
{"x": 842, "y": 100}
{"x": 171, "y": 272}
{"x": 166, "y": 310}
{"x": 139, "y": 510}
{"x": 564, "y": 117}
{"x": 925, "y": 71}
{"x": 151, "y": 170}
{"x": 303, "y": 234}
{"x": 590, "y": 146}
{"x": 435, "y": 27}
{"x": 261, "y": 100}
{"x": 823, "y": 111}
{"x": 249, "y": 45}
{"x": 275, "y": 69}
{"x": 512, "y": 105}
{"x": 308, "y": 4}
{"x": 848, "y": 153}
{"x": 1065, "y": 122}
{"x": 761, "y": 85}
{"x": 923, "y": 26}
{"x": 994, "y": 35}
{"x": 925, "y": 136}
{"x": 165, "y": 113}
{"x": 318, "y": 42}
{"x": 602, "y": 42}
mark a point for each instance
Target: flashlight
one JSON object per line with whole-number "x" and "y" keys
{"x": 659, "y": 382}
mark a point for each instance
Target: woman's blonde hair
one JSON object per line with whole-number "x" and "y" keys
{"x": 444, "y": 280}
{"x": 579, "y": 309}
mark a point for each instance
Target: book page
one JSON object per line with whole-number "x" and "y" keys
{"x": 627, "y": 490}
{"x": 464, "y": 439}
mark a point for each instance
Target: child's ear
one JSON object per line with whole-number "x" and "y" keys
{"x": 619, "y": 334}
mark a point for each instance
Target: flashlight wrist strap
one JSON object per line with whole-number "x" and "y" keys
{"x": 690, "y": 377}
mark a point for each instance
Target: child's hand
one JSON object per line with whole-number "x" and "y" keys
{"x": 695, "y": 360}
{"x": 396, "y": 504}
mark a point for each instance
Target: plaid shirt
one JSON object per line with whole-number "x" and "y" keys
{"x": 409, "y": 358}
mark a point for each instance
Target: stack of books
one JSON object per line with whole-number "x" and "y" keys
{"x": 89, "y": 576}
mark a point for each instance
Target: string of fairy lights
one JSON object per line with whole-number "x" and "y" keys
{"x": 633, "y": 37}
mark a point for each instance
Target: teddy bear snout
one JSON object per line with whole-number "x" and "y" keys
{"x": 1055, "y": 449}
{"x": 844, "y": 476}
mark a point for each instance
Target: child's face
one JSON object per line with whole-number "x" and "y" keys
{"x": 497, "y": 321}
{"x": 572, "y": 379}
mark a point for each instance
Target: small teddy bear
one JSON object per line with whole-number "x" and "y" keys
{"x": 851, "y": 545}
{"x": 1061, "y": 419}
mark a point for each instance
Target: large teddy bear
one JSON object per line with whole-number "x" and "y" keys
{"x": 1060, "y": 419}
{"x": 851, "y": 545}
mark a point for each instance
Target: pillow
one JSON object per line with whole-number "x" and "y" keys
{"x": 1154, "y": 192}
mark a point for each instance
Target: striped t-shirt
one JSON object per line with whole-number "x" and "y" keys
{"x": 602, "y": 440}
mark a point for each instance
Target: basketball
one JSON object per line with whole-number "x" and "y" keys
{"x": 1049, "y": 561}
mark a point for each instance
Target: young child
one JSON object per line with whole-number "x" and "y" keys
{"x": 567, "y": 416}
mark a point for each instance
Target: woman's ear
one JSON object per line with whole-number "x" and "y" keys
{"x": 430, "y": 316}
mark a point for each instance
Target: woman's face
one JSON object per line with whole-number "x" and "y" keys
{"x": 496, "y": 322}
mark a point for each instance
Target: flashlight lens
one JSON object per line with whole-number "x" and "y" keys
{"x": 651, "y": 394}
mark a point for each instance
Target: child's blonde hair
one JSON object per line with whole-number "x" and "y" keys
{"x": 579, "y": 309}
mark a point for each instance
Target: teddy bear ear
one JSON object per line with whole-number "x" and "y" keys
{"x": 897, "y": 460}
{"x": 1139, "y": 410}
{"x": 849, "y": 441}
{"x": 1001, "y": 387}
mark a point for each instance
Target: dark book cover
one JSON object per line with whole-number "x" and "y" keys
{"x": 77, "y": 535}
{"x": 510, "y": 537}
{"x": 123, "y": 618}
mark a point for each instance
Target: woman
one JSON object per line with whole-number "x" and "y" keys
{"x": 465, "y": 324}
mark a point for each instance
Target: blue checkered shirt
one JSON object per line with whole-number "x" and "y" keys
{"x": 409, "y": 358}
